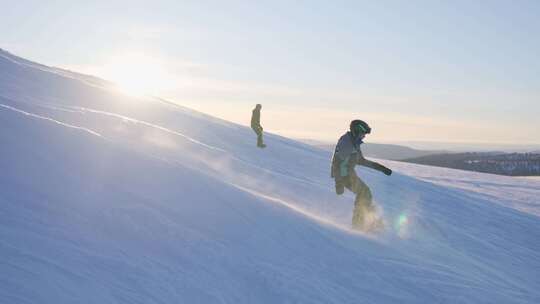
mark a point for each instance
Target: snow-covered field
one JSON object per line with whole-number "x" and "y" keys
{"x": 520, "y": 193}
{"x": 106, "y": 198}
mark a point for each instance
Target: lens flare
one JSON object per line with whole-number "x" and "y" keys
{"x": 401, "y": 225}
{"x": 402, "y": 220}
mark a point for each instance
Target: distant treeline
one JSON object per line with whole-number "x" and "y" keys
{"x": 513, "y": 164}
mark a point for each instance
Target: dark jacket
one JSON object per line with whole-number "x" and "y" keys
{"x": 347, "y": 155}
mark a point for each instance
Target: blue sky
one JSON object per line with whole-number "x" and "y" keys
{"x": 454, "y": 71}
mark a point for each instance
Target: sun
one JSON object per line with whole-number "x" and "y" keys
{"x": 138, "y": 74}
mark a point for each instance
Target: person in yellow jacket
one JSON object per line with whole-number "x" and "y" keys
{"x": 256, "y": 125}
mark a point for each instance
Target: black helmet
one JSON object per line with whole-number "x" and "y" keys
{"x": 359, "y": 126}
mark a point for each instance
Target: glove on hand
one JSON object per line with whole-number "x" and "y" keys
{"x": 387, "y": 171}
{"x": 340, "y": 188}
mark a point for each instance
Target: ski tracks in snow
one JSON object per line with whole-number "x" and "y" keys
{"x": 51, "y": 120}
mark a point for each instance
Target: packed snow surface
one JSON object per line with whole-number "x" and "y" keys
{"x": 106, "y": 198}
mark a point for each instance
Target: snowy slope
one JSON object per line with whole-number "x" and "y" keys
{"x": 113, "y": 199}
{"x": 521, "y": 193}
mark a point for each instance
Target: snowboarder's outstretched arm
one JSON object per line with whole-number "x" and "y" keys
{"x": 373, "y": 165}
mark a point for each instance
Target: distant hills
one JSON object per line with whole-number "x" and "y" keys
{"x": 383, "y": 151}
{"x": 502, "y": 163}
{"x": 513, "y": 164}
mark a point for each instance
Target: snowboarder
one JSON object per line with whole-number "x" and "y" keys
{"x": 256, "y": 125}
{"x": 347, "y": 155}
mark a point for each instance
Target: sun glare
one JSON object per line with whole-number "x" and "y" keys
{"x": 138, "y": 75}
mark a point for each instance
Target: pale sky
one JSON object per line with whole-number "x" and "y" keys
{"x": 450, "y": 71}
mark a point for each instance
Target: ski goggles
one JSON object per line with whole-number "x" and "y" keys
{"x": 359, "y": 129}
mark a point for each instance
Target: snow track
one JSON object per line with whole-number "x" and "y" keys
{"x": 49, "y": 119}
